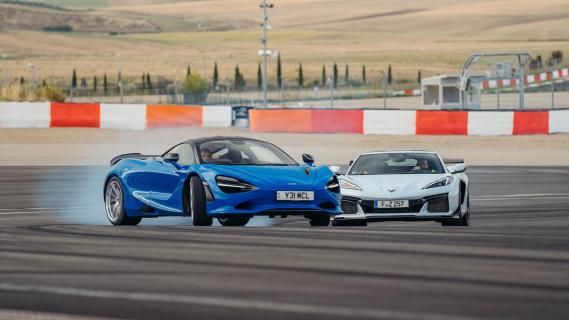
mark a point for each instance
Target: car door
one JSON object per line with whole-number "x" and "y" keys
{"x": 169, "y": 178}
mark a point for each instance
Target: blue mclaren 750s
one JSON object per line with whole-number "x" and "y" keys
{"x": 231, "y": 179}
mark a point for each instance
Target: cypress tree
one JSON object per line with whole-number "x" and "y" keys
{"x": 300, "y": 76}
{"x": 74, "y": 79}
{"x": 237, "y": 78}
{"x": 22, "y": 81}
{"x": 279, "y": 72}
{"x": 259, "y": 77}
{"x": 95, "y": 83}
{"x": 419, "y": 77}
{"x": 347, "y": 74}
{"x": 324, "y": 78}
{"x": 105, "y": 84}
{"x": 215, "y": 75}
{"x": 148, "y": 82}
{"x": 143, "y": 81}
{"x": 335, "y": 75}
{"x": 364, "y": 75}
{"x": 44, "y": 83}
{"x": 188, "y": 71}
{"x": 389, "y": 75}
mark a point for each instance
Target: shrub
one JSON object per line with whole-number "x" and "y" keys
{"x": 195, "y": 89}
{"x": 17, "y": 92}
{"x": 61, "y": 28}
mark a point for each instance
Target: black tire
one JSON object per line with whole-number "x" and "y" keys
{"x": 463, "y": 221}
{"x": 319, "y": 220}
{"x": 198, "y": 206}
{"x": 349, "y": 223}
{"x": 114, "y": 204}
{"x": 235, "y": 221}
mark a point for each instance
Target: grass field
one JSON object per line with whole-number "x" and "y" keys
{"x": 434, "y": 36}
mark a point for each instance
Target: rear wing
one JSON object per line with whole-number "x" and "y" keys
{"x": 138, "y": 156}
{"x": 453, "y": 161}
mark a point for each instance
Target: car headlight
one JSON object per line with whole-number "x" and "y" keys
{"x": 333, "y": 185}
{"x": 439, "y": 183}
{"x": 232, "y": 185}
{"x": 348, "y": 185}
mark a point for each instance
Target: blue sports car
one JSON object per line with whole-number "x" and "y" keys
{"x": 228, "y": 178}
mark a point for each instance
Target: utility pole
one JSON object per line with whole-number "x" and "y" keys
{"x": 264, "y": 41}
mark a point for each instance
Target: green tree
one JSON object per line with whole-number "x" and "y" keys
{"x": 324, "y": 77}
{"x": 364, "y": 75}
{"x": 195, "y": 89}
{"x": 94, "y": 83}
{"x": 259, "y": 77}
{"x": 347, "y": 74}
{"x": 237, "y": 78}
{"x": 143, "y": 81}
{"x": 335, "y": 75}
{"x": 74, "y": 79}
{"x": 148, "y": 81}
{"x": 389, "y": 75}
{"x": 22, "y": 81}
{"x": 279, "y": 72}
{"x": 105, "y": 84}
{"x": 119, "y": 79}
{"x": 188, "y": 71}
{"x": 300, "y": 76}
{"x": 419, "y": 77}
{"x": 215, "y": 75}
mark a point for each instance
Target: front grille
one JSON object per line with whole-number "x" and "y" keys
{"x": 438, "y": 203}
{"x": 349, "y": 207}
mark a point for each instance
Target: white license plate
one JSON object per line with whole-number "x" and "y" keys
{"x": 391, "y": 204}
{"x": 295, "y": 195}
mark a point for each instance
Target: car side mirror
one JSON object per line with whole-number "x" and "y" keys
{"x": 308, "y": 159}
{"x": 458, "y": 168}
{"x": 172, "y": 157}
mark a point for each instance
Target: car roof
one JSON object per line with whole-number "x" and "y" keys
{"x": 399, "y": 151}
{"x": 214, "y": 138}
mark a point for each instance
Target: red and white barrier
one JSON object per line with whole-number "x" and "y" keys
{"x": 528, "y": 80}
{"x": 25, "y": 115}
{"x": 110, "y": 116}
{"x": 406, "y": 122}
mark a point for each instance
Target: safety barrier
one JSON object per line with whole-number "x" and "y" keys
{"x": 110, "y": 116}
{"x": 406, "y": 122}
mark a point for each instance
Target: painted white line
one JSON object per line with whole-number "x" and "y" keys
{"x": 9, "y": 314}
{"x": 247, "y": 304}
{"x": 519, "y": 195}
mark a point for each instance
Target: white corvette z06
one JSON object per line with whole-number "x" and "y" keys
{"x": 404, "y": 186}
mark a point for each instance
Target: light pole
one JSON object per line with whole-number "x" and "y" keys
{"x": 384, "y": 89}
{"x": 33, "y": 68}
{"x": 264, "y": 41}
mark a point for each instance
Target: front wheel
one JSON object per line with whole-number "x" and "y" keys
{"x": 114, "y": 205}
{"x": 463, "y": 221}
{"x": 319, "y": 220}
{"x": 198, "y": 206}
{"x": 233, "y": 221}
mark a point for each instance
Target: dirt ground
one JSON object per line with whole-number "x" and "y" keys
{"x": 80, "y": 146}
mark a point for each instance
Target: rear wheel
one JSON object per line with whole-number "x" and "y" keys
{"x": 319, "y": 220}
{"x": 114, "y": 205}
{"x": 349, "y": 223}
{"x": 233, "y": 221}
{"x": 198, "y": 206}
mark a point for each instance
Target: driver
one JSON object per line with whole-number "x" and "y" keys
{"x": 206, "y": 155}
{"x": 422, "y": 167}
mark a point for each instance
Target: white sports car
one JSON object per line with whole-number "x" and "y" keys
{"x": 404, "y": 186}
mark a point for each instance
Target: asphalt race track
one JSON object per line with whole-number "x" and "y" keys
{"x": 59, "y": 256}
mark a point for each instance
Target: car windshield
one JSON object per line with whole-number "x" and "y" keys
{"x": 397, "y": 163}
{"x": 243, "y": 152}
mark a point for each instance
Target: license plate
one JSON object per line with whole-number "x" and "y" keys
{"x": 391, "y": 204}
{"x": 295, "y": 195}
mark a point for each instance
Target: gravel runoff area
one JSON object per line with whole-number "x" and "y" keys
{"x": 82, "y": 146}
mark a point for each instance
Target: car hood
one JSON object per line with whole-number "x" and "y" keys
{"x": 393, "y": 186}
{"x": 274, "y": 175}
